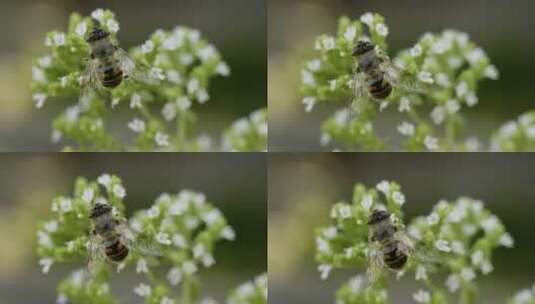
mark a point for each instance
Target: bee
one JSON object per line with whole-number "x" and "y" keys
{"x": 375, "y": 75}
{"x": 390, "y": 247}
{"x": 110, "y": 237}
{"x": 108, "y": 66}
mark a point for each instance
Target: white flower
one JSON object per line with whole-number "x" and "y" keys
{"x": 486, "y": 267}
{"x": 45, "y": 61}
{"x": 161, "y": 139}
{"x": 383, "y": 186}
{"x": 381, "y": 29}
{"x": 328, "y": 43}
{"x": 398, "y": 198}
{"x": 43, "y": 239}
{"x": 153, "y": 212}
{"x": 179, "y": 240}
{"x": 88, "y": 195}
{"x": 51, "y": 226}
{"x": 325, "y": 139}
{"x": 416, "y": 50}
{"x": 490, "y": 224}
{"x": 81, "y": 29}
{"x": 432, "y": 219}
{"x": 350, "y": 33}
{"x": 39, "y": 99}
{"x": 141, "y": 266}
{"x": 174, "y": 276}
{"x": 477, "y": 257}
{"x": 367, "y": 18}
{"x": 212, "y": 217}
{"x": 344, "y": 211}
{"x": 202, "y": 96}
{"x": 404, "y": 104}
{"x": 222, "y": 69}
{"x": 104, "y": 180}
{"x": 307, "y": 78}
{"x": 367, "y": 201}
{"x": 461, "y": 89}
{"x": 475, "y": 56}
{"x": 309, "y": 103}
{"x": 183, "y": 103}
{"x": 112, "y": 25}
{"x": 314, "y": 65}
{"x": 443, "y": 245}
{"x": 163, "y": 238}
{"x": 421, "y": 273}
{"x": 468, "y": 274}
{"x": 186, "y": 59}
{"x": 471, "y": 99}
{"x": 206, "y": 53}
{"x": 45, "y": 264}
{"x": 457, "y": 247}
{"x": 453, "y": 283}
{"x": 56, "y": 136}
{"x": 135, "y": 101}
{"x": 173, "y": 76}
{"x": 98, "y": 14}
{"x": 147, "y": 47}
{"x": 143, "y": 290}
{"x": 228, "y": 233}
{"x": 324, "y": 269}
{"x": 443, "y": 80}
{"x": 166, "y": 300}
{"x": 189, "y": 268}
{"x": 169, "y": 111}
{"x": 422, "y": 296}
{"x": 491, "y": 72}
{"x": 58, "y": 38}
{"x": 523, "y": 297}
{"x": 426, "y": 76}
{"x": 452, "y": 106}
{"x": 193, "y": 85}
{"x": 506, "y": 240}
{"x": 406, "y": 128}
{"x": 119, "y": 191}
{"x": 431, "y": 143}
{"x": 137, "y": 125}
{"x": 156, "y": 73}
{"x": 65, "y": 205}
{"x": 322, "y": 245}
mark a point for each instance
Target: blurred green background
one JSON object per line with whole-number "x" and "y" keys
{"x": 237, "y": 28}
{"x": 234, "y": 183}
{"x": 302, "y": 187}
{"x": 502, "y": 28}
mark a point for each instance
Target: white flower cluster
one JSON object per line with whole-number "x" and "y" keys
{"x": 59, "y": 242}
{"x": 516, "y": 135}
{"x": 524, "y": 296}
{"x": 184, "y": 223}
{"x": 355, "y": 290}
{"x": 250, "y": 292}
{"x": 332, "y": 246}
{"x": 247, "y": 133}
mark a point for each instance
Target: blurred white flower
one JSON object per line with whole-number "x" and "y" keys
{"x": 161, "y": 139}
{"x": 426, "y": 76}
{"x": 119, "y": 191}
{"x": 112, "y": 25}
{"x": 143, "y": 290}
{"x": 381, "y": 29}
{"x": 174, "y": 276}
{"x": 81, "y": 29}
{"x": 324, "y": 270}
{"x": 422, "y": 296}
{"x": 406, "y": 128}
{"x": 137, "y": 125}
{"x": 431, "y": 143}
{"x": 45, "y": 264}
{"x": 163, "y": 238}
{"x": 141, "y": 266}
{"x": 443, "y": 245}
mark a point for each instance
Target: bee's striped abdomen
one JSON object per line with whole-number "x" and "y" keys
{"x": 116, "y": 251}
{"x": 394, "y": 258}
{"x": 380, "y": 89}
{"x": 112, "y": 77}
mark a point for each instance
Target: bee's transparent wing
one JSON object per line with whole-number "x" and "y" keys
{"x": 88, "y": 84}
{"x": 133, "y": 70}
{"x": 393, "y": 74}
{"x": 376, "y": 264}
{"x": 96, "y": 256}
{"x": 137, "y": 242}
{"x": 414, "y": 249}
{"x": 360, "y": 91}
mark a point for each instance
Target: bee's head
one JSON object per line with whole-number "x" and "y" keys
{"x": 362, "y": 47}
{"x": 378, "y": 216}
{"x": 97, "y": 34}
{"x": 99, "y": 209}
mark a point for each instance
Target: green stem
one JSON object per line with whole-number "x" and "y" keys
{"x": 181, "y": 130}
{"x": 468, "y": 295}
{"x": 190, "y": 290}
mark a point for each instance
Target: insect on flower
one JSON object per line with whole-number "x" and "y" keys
{"x": 375, "y": 75}
{"x": 111, "y": 239}
{"x": 108, "y": 66}
{"x": 390, "y": 246}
